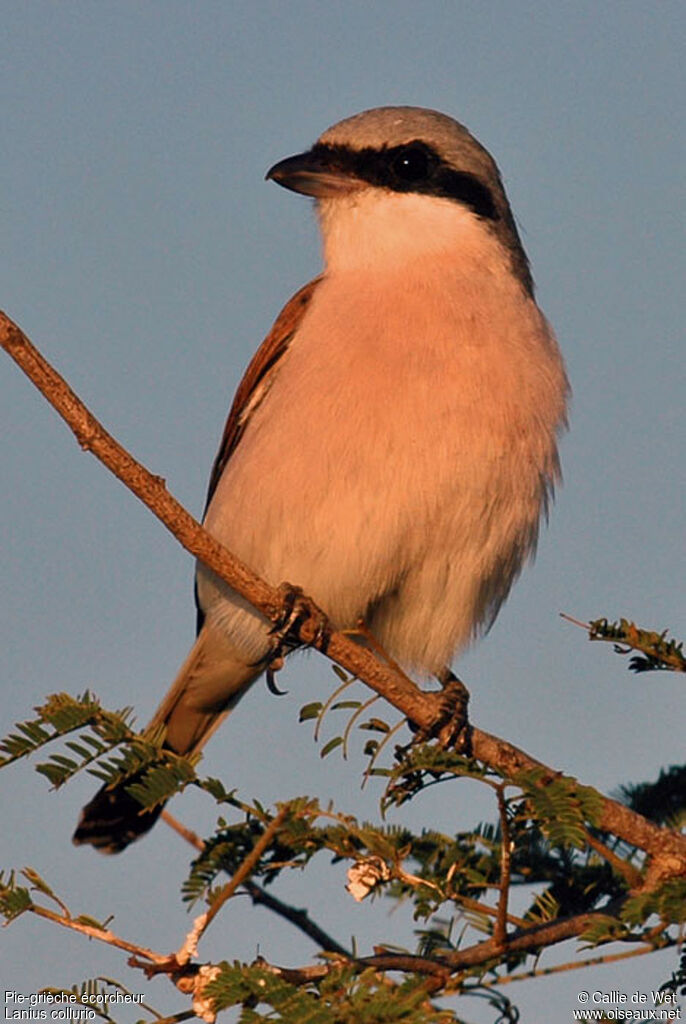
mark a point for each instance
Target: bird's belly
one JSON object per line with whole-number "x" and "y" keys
{"x": 389, "y": 482}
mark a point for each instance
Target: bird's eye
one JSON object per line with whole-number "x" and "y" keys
{"x": 411, "y": 164}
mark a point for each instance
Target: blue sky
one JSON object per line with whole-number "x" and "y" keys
{"x": 144, "y": 253}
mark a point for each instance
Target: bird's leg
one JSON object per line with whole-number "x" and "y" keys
{"x": 362, "y": 630}
{"x": 451, "y": 726}
{"x": 453, "y": 729}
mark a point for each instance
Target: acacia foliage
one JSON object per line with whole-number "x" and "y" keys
{"x": 544, "y": 840}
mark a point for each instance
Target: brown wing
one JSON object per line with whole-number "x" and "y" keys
{"x": 256, "y": 379}
{"x": 255, "y": 384}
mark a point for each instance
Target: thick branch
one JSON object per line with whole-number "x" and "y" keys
{"x": 443, "y": 965}
{"x": 662, "y": 843}
{"x": 667, "y": 847}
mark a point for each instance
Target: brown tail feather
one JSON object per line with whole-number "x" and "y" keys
{"x": 113, "y": 819}
{"x": 210, "y": 683}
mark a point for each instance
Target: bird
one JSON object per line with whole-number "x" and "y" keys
{"x": 393, "y": 445}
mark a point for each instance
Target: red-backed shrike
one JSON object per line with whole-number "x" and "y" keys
{"x": 392, "y": 446}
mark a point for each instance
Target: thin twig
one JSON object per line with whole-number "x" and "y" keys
{"x": 353, "y": 718}
{"x": 381, "y": 746}
{"x": 176, "y": 1018}
{"x": 186, "y": 833}
{"x": 330, "y": 700}
{"x": 101, "y": 934}
{"x": 297, "y": 917}
{"x": 500, "y": 929}
{"x": 573, "y": 965}
{"x": 245, "y": 869}
{"x": 127, "y": 991}
{"x": 575, "y": 622}
{"x": 629, "y": 873}
{"x": 260, "y": 897}
{"x": 483, "y": 908}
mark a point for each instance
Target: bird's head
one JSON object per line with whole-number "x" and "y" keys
{"x": 397, "y": 182}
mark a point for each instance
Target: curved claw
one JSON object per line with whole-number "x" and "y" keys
{"x": 274, "y": 666}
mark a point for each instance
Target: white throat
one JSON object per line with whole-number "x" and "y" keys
{"x": 376, "y": 229}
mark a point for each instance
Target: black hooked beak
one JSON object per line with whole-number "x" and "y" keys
{"x": 315, "y": 173}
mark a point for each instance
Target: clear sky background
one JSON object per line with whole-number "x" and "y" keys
{"x": 143, "y": 252}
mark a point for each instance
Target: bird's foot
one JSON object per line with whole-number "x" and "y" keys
{"x": 297, "y": 614}
{"x": 300, "y": 622}
{"x": 451, "y": 725}
{"x": 453, "y": 729}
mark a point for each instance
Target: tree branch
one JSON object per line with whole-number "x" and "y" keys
{"x": 94, "y": 932}
{"x": 261, "y": 897}
{"x": 500, "y": 930}
{"x": 245, "y": 869}
{"x": 299, "y": 918}
{"x": 443, "y": 965}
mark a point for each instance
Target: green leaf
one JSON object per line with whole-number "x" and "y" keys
{"x": 39, "y": 883}
{"x": 375, "y": 725}
{"x": 310, "y": 711}
{"x": 161, "y": 782}
{"x": 668, "y": 902}
{"x": 602, "y": 929}
{"x": 14, "y": 899}
{"x": 560, "y": 805}
{"x": 331, "y": 745}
